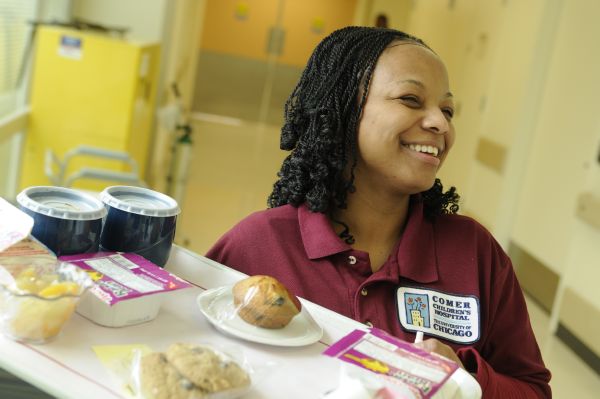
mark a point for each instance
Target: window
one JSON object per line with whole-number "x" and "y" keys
{"x": 15, "y": 28}
{"x": 15, "y": 32}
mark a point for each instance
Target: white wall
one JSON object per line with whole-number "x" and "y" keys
{"x": 55, "y": 10}
{"x": 465, "y": 37}
{"x": 181, "y": 55}
{"x": 562, "y": 164}
{"x": 565, "y": 138}
{"x": 144, "y": 18}
{"x": 525, "y": 77}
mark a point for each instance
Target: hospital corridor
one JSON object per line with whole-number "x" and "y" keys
{"x": 187, "y": 98}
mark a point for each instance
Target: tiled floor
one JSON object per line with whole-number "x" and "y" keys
{"x": 233, "y": 169}
{"x": 571, "y": 377}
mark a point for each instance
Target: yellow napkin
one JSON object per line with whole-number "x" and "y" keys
{"x": 118, "y": 359}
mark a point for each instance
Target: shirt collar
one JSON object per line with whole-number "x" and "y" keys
{"x": 318, "y": 236}
{"x": 416, "y": 257}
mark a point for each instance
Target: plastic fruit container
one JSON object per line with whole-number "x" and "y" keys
{"x": 37, "y": 300}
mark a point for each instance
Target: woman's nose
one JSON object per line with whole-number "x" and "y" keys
{"x": 435, "y": 121}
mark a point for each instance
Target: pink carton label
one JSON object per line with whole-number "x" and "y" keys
{"x": 122, "y": 276}
{"x": 395, "y": 360}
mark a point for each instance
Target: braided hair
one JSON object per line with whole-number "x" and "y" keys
{"x": 321, "y": 124}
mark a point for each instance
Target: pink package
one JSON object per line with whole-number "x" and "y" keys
{"x": 394, "y": 360}
{"x": 122, "y": 276}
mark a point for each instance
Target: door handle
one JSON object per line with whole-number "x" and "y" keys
{"x": 275, "y": 40}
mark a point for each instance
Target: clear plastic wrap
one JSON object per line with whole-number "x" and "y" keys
{"x": 375, "y": 360}
{"x": 356, "y": 383}
{"x": 182, "y": 371}
{"x": 265, "y": 302}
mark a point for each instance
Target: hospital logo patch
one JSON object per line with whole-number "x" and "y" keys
{"x": 435, "y": 313}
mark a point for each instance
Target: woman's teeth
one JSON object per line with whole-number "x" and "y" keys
{"x": 427, "y": 149}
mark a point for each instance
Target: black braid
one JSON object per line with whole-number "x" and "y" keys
{"x": 321, "y": 123}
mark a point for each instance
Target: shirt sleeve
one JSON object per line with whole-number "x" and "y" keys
{"x": 225, "y": 251}
{"x": 510, "y": 364}
{"x": 218, "y": 251}
{"x": 232, "y": 249}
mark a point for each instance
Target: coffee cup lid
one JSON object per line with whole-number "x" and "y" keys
{"x": 141, "y": 201}
{"x": 61, "y": 203}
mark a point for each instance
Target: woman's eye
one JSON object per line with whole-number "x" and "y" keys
{"x": 411, "y": 101}
{"x": 449, "y": 112}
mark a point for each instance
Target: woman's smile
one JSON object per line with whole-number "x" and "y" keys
{"x": 424, "y": 153}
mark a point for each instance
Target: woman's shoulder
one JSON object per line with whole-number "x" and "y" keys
{"x": 465, "y": 226}
{"x": 266, "y": 222}
{"x": 464, "y": 231}
{"x": 269, "y": 216}
{"x": 256, "y": 232}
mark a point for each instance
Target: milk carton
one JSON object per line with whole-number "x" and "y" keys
{"x": 129, "y": 289}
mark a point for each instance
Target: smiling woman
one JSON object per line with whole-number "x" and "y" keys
{"x": 359, "y": 223}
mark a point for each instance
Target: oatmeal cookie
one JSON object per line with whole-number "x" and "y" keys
{"x": 206, "y": 369}
{"x": 160, "y": 380}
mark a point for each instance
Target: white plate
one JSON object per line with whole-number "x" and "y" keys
{"x": 217, "y": 305}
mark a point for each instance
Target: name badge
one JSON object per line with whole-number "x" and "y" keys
{"x": 435, "y": 313}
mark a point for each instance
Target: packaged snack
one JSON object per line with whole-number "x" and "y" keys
{"x": 182, "y": 370}
{"x": 264, "y": 302}
{"x": 405, "y": 369}
{"x": 129, "y": 289}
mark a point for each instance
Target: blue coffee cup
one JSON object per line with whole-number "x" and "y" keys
{"x": 139, "y": 220}
{"x": 67, "y": 221}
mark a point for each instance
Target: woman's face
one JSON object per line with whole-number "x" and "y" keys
{"x": 405, "y": 132}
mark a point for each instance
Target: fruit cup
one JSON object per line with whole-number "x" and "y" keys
{"x": 37, "y": 300}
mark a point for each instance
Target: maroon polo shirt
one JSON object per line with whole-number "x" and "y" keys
{"x": 446, "y": 276}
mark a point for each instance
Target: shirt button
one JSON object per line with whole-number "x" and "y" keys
{"x": 364, "y": 292}
{"x": 369, "y": 324}
{"x": 352, "y": 259}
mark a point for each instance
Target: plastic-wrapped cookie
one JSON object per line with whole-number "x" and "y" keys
{"x": 206, "y": 369}
{"x": 160, "y": 380}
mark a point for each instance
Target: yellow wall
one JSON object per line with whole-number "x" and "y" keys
{"x": 397, "y": 11}
{"x": 225, "y": 31}
{"x": 299, "y": 17}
